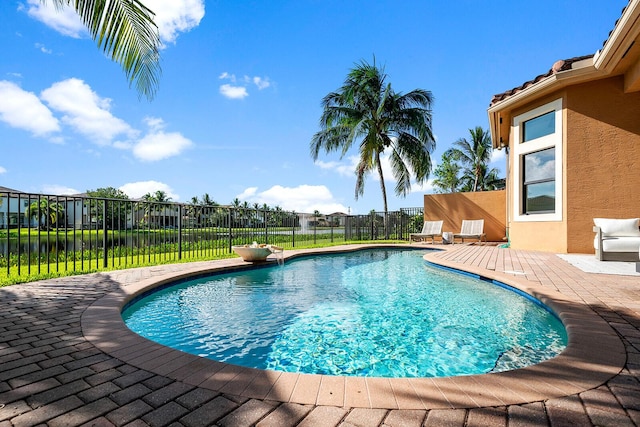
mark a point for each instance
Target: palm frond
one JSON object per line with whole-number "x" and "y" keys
{"x": 126, "y": 32}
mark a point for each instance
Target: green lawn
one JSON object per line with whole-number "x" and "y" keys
{"x": 90, "y": 263}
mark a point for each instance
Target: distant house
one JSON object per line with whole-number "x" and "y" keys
{"x": 13, "y": 205}
{"x": 572, "y": 136}
{"x": 336, "y": 218}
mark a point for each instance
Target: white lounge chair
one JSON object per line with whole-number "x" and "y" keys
{"x": 429, "y": 229}
{"x": 472, "y": 229}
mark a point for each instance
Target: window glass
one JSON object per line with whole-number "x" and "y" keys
{"x": 539, "y": 126}
{"x": 540, "y": 197}
{"x": 539, "y": 181}
{"x": 540, "y": 165}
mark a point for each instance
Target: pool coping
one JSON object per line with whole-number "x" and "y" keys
{"x": 593, "y": 355}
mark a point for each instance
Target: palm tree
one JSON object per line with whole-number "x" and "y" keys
{"x": 488, "y": 180}
{"x": 194, "y": 210}
{"x": 447, "y": 179}
{"x": 235, "y": 211}
{"x": 126, "y": 32}
{"x": 316, "y": 216}
{"x": 368, "y": 112}
{"x": 46, "y": 213}
{"x": 207, "y": 200}
{"x": 161, "y": 196}
{"x": 154, "y": 207}
{"x": 210, "y": 214}
{"x": 474, "y": 155}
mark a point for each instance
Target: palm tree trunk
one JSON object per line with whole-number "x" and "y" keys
{"x": 384, "y": 194}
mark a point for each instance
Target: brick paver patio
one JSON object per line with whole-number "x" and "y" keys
{"x": 63, "y": 364}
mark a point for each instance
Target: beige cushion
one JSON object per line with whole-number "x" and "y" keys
{"x": 618, "y": 227}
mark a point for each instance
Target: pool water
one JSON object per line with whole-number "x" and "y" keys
{"x": 375, "y": 312}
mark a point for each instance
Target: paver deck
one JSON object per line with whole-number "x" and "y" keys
{"x": 66, "y": 361}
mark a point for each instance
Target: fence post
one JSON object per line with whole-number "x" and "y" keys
{"x": 105, "y": 257}
{"x": 266, "y": 227}
{"x": 179, "y": 231}
{"x": 230, "y": 235}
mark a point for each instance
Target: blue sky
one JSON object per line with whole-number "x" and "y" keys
{"x": 241, "y": 85}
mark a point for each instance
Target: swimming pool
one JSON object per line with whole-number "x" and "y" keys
{"x": 374, "y": 312}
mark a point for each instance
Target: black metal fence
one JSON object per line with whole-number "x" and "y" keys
{"x": 43, "y": 234}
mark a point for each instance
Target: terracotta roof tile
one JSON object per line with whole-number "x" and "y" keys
{"x": 558, "y": 66}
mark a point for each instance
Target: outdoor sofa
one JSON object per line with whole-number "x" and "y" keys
{"x": 617, "y": 239}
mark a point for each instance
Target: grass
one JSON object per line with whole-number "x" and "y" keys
{"x": 15, "y": 274}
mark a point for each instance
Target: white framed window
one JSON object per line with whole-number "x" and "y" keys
{"x": 537, "y": 154}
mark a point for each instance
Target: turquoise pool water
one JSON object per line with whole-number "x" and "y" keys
{"x": 377, "y": 312}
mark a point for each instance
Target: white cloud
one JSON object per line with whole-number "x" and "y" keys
{"x": 227, "y": 76}
{"x": 85, "y": 111}
{"x": 233, "y": 92}
{"x": 2, "y": 170}
{"x": 171, "y": 16}
{"x": 261, "y": 83}
{"x": 498, "y": 156}
{"x": 23, "y": 110}
{"x": 175, "y": 16}
{"x": 59, "y": 190}
{"x": 42, "y": 48}
{"x": 160, "y": 145}
{"x": 248, "y": 193}
{"x": 136, "y": 190}
{"x": 342, "y": 168}
{"x": 239, "y": 90}
{"x": 87, "y": 114}
{"x": 157, "y": 144}
{"x": 302, "y": 199}
{"x": 65, "y": 21}
{"x": 426, "y": 187}
{"x": 154, "y": 123}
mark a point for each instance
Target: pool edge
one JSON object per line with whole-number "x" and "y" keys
{"x": 581, "y": 366}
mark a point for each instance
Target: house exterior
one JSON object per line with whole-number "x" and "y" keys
{"x": 572, "y": 137}
{"x": 13, "y": 205}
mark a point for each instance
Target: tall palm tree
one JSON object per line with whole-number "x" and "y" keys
{"x": 474, "y": 155}
{"x": 368, "y": 112}
{"x": 126, "y": 32}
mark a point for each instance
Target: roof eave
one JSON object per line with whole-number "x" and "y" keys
{"x": 620, "y": 40}
{"x": 584, "y": 71}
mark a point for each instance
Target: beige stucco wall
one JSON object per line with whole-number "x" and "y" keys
{"x": 602, "y": 157}
{"x": 453, "y": 208}
{"x": 601, "y": 166}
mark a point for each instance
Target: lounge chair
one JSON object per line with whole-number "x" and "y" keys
{"x": 472, "y": 229}
{"x": 429, "y": 229}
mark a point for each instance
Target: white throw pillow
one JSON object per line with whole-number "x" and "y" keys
{"x": 618, "y": 227}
